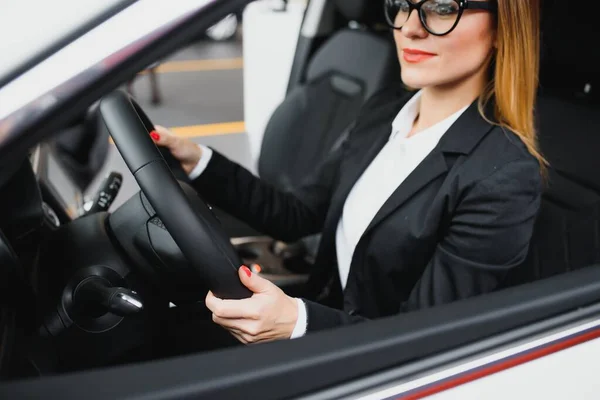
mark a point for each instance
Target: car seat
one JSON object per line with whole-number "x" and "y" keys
{"x": 344, "y": 72}
{"x": 567, "y": 231}
{"x": 350, "y": 67}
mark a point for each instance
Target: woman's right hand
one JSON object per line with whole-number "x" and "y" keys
{"x": 184, "y": 150}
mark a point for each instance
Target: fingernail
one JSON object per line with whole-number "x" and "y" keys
{"x": 155, "y": 135}
{"x": 247, "y": 271}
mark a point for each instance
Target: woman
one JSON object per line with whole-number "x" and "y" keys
{"x": 431, "y": 199}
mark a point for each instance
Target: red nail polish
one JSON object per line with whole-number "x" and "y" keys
{"x": 155, "y": 135}
{"x": 247, "y": 271}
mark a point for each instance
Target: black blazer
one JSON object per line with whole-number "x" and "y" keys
{"x": 451, "y": 230}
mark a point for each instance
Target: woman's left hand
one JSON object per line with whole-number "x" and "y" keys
{"x": 268, "y": 315}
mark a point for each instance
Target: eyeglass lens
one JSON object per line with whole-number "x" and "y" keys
{"x": 438, "y": 16}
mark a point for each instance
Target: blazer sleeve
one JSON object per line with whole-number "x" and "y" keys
{"x": 286, "y": 216}
{"x": 489, "y": 234}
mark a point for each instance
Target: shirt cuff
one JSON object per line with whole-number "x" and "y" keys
{"x": 301, "y": 322}
{"x": 204, "y": 160}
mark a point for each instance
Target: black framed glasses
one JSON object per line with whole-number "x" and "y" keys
{"x": 439, "y": 17}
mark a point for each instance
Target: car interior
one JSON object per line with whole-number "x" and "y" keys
{"x": 566, "y": 232}
{"x": 315, "y": 116}
{"x": 312, "y": 120}
{"x": 57, "y": 268}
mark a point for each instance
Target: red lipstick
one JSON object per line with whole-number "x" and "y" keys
{"x": 416, "y": 56}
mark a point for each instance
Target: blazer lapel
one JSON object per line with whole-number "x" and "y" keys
{"x": 349, "y": 178}
{"x": 376, "y": 138}
{"x": 432, "y": 166}
{"x": 460, "y": 138}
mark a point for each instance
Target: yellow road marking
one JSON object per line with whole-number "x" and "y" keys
{"x": 199, "y": 65}
{"x": 191, "y": 131}
{"x": 224, "y": 128}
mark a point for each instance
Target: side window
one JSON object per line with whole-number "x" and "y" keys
{"x": 221, "y": 90}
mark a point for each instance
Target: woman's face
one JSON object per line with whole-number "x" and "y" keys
{"x": 428, "y": 60}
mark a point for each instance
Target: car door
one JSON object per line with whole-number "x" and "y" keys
{"x": 535, "y": 338}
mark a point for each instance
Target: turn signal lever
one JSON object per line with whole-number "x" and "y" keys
{"x": 106, "y": 194}
{"x": 98, "y": 293}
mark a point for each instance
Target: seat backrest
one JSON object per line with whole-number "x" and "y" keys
{"x": 343, "y": 73}
{"x": 570, "y": 32}
{"x": 567, "y": 232}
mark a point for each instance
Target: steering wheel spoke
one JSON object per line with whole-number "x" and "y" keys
{"x": 187, "y": 218}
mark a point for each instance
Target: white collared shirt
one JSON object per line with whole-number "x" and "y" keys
{"x": 394, "y": 163}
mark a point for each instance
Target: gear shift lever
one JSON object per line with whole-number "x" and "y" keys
{"x": 97, "y": 291}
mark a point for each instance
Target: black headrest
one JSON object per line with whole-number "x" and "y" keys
{"x": 570, "y": 33}
{"x": 365, "y": 58}
{"x": 363, "y": 11}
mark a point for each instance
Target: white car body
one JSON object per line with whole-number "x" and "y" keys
{"x": 558, "y": 365}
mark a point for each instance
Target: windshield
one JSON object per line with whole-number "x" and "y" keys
{"x": 31, "y": 28}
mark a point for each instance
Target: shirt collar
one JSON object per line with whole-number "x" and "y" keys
{"x": 405, "y": 119}
{"x": 403, "y": 122}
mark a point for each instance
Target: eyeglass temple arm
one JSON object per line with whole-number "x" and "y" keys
{"x": 480, "y": 5}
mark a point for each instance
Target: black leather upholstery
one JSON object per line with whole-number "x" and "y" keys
{"x": 570, "y": 37}
{"x": 567, "y": 232}
{"x": 367, "y": 59}
{"x": 566, "y": 235}
{"x": 365, "y": 11}
{"x": 346, "y": 70}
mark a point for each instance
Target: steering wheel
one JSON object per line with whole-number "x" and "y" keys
{"x": 190, "y": 222}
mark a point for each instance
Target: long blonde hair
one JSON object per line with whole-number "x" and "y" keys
{"x": 515, "y": 70}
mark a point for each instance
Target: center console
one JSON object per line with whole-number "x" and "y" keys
{"x": 286, "y": 265}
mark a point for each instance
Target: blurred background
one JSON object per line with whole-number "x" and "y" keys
{"x": 202, "y": 91}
